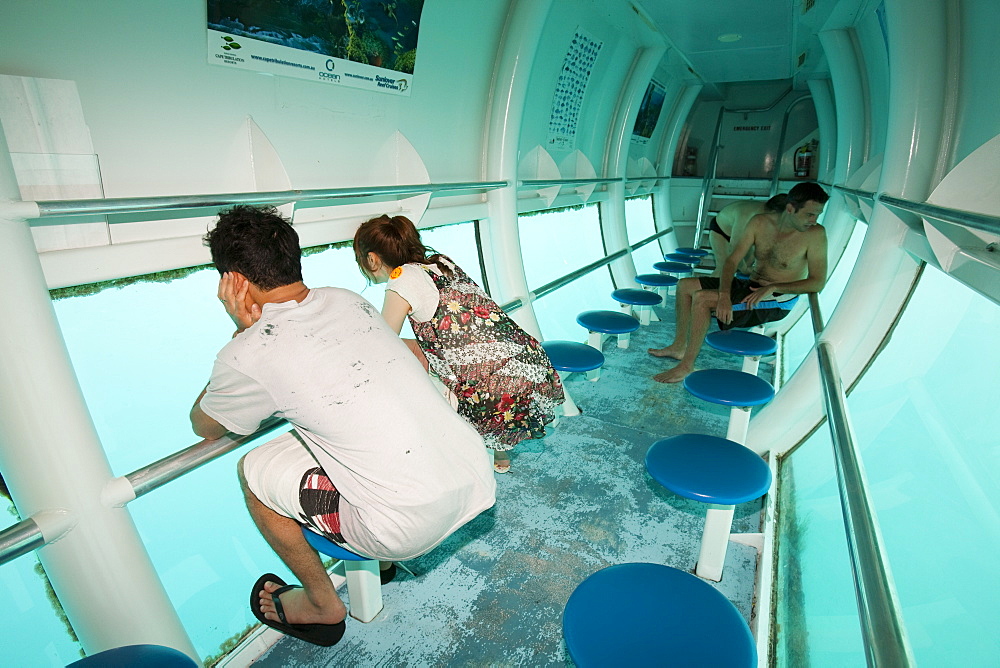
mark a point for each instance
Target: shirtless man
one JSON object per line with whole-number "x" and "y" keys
{"x": 727, "y": 227}
{"x": 789, "y": 259}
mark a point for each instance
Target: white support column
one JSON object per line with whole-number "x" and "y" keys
{"x": 849, "y": 95}
{"x": 569, "y": 407}
{"x": 52, "y": 460}
{"x": 739, "y": 424}
{"x": 714, "y": 542}
{"x": 826, "y": 118}
{"x": 613, "y": 226}
{"x": 502, "y": 247}
{"x": 364, "y": 589}
{"x": 665, "y": 163}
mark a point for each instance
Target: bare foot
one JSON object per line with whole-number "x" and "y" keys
{"x": 299, "y": 609}
{"x": 675, "y": 375}
{"x": 673, "y": 352}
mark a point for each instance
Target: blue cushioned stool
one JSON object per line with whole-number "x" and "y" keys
{"x": 660, "y": 283}
{"x": 364, "y": 586}
{"x": 668, "y": 618}
{"x": 694, "y": 252}
{"x": 751, "y": 345}
{"x": 571, "y": 357}
{"x": 147, "y": 656}
{"x": 716, "y": 471}
{"x": 637, "y": 303}
{"x": 682, "y": 258}
{"x": 740, "y": 391}
{"x": 601, "y": 324}
{"x": 678, "y": 270}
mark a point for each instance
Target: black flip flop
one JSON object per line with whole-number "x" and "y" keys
{"x": 386, "y": 576}
{"x": 324, "y": 635}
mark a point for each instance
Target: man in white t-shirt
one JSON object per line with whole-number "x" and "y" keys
{"x": 378, "y": 460}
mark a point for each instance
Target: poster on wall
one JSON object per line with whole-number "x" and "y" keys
{"x": 570, "y": 88}
{"x": 368, "y": 44}
{"x": 649, "y": 112}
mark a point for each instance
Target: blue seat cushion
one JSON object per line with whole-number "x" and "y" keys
{"x": 680, "y": 257}
{"x": 608, "y": 322}
{"x": 148, "y": 656}
{"x": 573, "y": 357}
{"x": 672, "y": 267}
{"x": 636, "y": 297}
{"x": 654, "y": 615}
{"x": 739, "y": 342}
{"x": 729, "y": 388}
{"x": 709, "y": 469}
{"x": 326, "y": 546}
{"x": 694, "y": 252}
{"x": 656, "y": 280}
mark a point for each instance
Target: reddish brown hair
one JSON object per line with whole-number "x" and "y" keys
{"x": 396, "y": 241}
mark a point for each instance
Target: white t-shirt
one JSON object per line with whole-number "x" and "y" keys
{"x": 410, "y": 469}
{"x": 415, "y": 286}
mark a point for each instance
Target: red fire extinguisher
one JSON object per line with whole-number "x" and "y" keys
{"x": 803, "y": 160}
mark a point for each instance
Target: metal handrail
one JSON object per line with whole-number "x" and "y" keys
{"x": 860, "y": 194}
{"x": 781, "y": 142}
{"x": 159, "y": 473}
{"x": 544, "y": 183}
{"x": 552, "y": 286}
{"x": 582, "y": 271}
{"x": 977, "y": 221}
{"x": 655, "y": 177}
{"x": 71, "y": 207}
{"x": 20, "y": 539}
{"x": 706, "y": 183}
{"x": 882, "y": 630}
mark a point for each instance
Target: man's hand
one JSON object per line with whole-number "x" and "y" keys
{"x": 724, "y": 309}
{"x": 758, "y": 295}
{"x": 234, "y": 290}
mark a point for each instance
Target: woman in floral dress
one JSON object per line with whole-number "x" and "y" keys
{"x": 498, "y": 374}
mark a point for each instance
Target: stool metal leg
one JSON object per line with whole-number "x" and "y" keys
{"x": 595, "y": 340}
{"x": 364, "y": 589}
{"x": 714, "y": 542}
{"x": 623, "y": 339}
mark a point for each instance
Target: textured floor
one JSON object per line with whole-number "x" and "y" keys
{"x": 574, "y": 502}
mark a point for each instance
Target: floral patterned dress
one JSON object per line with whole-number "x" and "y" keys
{"x": 503, "y": 380}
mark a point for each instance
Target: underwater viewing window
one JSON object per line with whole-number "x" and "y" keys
{"x": 557, "y": 243}
{"x": 799, "y": 340}
{"x": 922, "y": 420}
{"x": 640, "y": 225}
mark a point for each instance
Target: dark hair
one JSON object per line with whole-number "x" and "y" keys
{"x": 804, "y": 192}
{"x": 777, "y": 203}
{"x": 396, "y": 241}
{"x": 258, "y": 243}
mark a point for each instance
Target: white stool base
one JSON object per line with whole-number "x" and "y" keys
{"x": 364, "y": 589}
{"x": 714, "y": 542}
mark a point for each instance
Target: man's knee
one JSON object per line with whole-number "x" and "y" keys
{"x": 705, "y": 300}
{"x": 688, "y": 286}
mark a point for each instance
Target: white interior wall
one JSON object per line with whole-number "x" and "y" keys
{"x": 151, "y": 98}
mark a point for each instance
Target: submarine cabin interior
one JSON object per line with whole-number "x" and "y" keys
{"x": 556, "y": 149}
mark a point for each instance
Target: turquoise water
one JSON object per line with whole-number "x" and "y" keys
{"x": 922, "y": 418}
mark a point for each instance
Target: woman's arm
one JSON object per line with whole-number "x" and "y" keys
{"x": 395, "y": 309}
